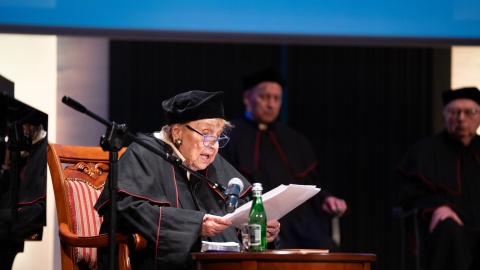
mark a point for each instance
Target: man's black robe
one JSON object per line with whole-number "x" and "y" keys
{"x": 441, "y": 171}
{"x": 281, "y": 155}
{"x": 444, "y": 172}
{"x": 157, "y": 200}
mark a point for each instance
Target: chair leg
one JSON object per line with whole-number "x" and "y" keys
{"x": 417, "y": 241}
{"x": 403, "y": 215}
{"x": 402, "y": 244}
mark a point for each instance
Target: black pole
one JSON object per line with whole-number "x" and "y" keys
{"x": 113, "y": 201}
{"x": 15, "y": 134}
{"x": 112, "y": 141}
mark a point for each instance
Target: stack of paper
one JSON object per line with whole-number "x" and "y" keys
{"x": 219, "y": 246}
{"x": 277, "y": 202}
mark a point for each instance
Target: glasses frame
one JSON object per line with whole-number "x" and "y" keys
{"x": 469, "y": 113}
{"x": 206, "y": 143}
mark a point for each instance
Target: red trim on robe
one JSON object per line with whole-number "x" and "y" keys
{"x": 158, "y": 234}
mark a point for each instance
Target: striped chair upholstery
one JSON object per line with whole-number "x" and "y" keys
{"x": 82, "y": 194}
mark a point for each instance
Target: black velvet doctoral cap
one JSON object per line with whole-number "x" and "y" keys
{"x": 33, "y": 117}
{"x": 468, "y": 92}
{"x": 193, "y": 105}
{"x": 269, "y": 74}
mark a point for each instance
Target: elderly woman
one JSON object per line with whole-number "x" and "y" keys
{"x": 172, "y": 208}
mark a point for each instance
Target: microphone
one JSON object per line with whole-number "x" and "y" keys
{"x": 74, "y": 104}
{"x": 235, "y": 186}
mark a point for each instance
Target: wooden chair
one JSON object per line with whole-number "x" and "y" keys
{"x": 77, "y": 187}
{"x": 411, "y": 242}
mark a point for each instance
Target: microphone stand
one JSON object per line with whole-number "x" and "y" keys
{"x": 113, "y": 141}
{"x": 14, "y": 133}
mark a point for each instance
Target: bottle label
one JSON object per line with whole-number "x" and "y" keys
{"x": 255, "y": 233}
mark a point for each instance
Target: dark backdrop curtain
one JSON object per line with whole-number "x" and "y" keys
{"x": 361, "y": 107}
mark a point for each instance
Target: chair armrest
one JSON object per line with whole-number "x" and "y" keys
{"x": 71, "y": 239}
{"x": 402, "y": 213}
{"x": 134, "y": 241}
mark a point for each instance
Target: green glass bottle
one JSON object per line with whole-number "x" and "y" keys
{"x": 257, "y": 221}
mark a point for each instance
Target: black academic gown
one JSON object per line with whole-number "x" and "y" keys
{"x": 31, "y": 207}
{"x": 441, "y": 171}
{"x": 157, "y": 200}
{"x": 31, "y": 191}
{"x": 281, "y": 155}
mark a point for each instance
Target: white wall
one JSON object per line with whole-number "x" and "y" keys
{"x": 83, "y": 76}
{"x": 44, "y": 69}
{"x": 31, "y": 63}
{"x": 465, "y": 66}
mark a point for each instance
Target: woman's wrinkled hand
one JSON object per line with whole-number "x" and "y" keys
{"x": 213, "y": 225}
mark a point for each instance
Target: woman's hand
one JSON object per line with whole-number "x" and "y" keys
{"x": 213, "y": 225}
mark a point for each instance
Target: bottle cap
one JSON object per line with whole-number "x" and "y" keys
{"x": 257, "y": 186}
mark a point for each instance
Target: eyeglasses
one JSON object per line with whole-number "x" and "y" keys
{"x": 210, "y": 141}
{"x": 467, "y": 112}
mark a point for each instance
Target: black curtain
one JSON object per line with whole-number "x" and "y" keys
{"x": 143, "y": 74}
{"x": 361, "y": 107}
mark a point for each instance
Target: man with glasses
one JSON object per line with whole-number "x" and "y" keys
{"x": 442, "y": 180}
{"x": 267, "y": 151}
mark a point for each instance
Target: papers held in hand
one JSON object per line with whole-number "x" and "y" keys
{"x": 277, "y": 202}
{"x": 219, "y": 246}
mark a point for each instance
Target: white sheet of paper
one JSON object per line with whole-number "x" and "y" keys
{"x": 277, "y": 202}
